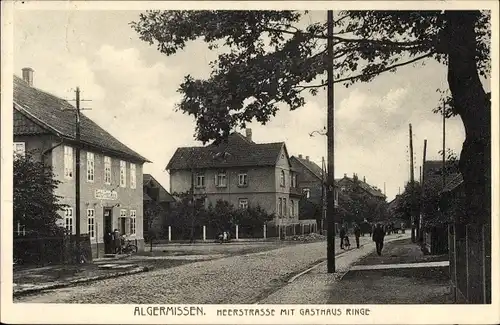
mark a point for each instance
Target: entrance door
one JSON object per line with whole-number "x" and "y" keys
{"x": 108, "y": 230}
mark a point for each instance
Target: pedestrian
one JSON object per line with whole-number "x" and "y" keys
{"x": 342, "y": 234}
{"x": 117, "y": 241}
{"x": 378, "y": 238}
{"x": 224, "y": 236}
{"x": 357, "y": 233}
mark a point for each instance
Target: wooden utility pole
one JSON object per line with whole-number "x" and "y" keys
{"x": 412, "y": 187}
{"x": 422, "y": 182}
{"x": 330, "y": 210}
{"x": 77, "y": 178}
{"x": 323, "y": 194}
{"x": 444, "y": 146}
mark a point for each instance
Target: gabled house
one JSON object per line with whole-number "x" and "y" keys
{"x": 111, "y": 195}
{"x": 241, "y": 172}
{"x": 155, "y": 193}
{"x": 311, "y": 182}
{"x": 348, "y": 183}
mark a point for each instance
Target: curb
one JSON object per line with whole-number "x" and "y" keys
{"x": 29, "y": 291}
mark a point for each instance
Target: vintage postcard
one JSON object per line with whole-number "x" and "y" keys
{"x": 250, "y": 162}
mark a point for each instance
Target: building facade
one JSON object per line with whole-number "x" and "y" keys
{"x": 240, "y": 172}
{"x": 111, "y": 193}
{"x": 156, "y": 194}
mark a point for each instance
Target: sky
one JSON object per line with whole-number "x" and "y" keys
{"x": 133, "y": 93}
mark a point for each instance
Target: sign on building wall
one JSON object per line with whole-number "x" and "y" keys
{"x": 106, "y": 195}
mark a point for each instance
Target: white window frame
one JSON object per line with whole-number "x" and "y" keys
{"x": 123, "y": 173}
{"x": 19, "y": 149}
{"x": 90, "y": 167}
{"x": 243, "y": 203}
{"x": 133, "y": 222}
{"x": 133, "y": 174}
{"x": 285, "y": 212}
{"x": 307, "y": 192}
{"x": 221, "y": 179}
{"x": 68, "y": 162}
{"x": 243, "y": 179}
{"x": 200, "y": 180}
{"x": 68, "y": 219}
{"x": 107, "y": 170}
{"x": 282, "y": 178}
{"x": 123, "y": 215}
{"x": 91, "y": 223}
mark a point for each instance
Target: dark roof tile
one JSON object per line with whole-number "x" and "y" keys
{"x": 58, "y": 116}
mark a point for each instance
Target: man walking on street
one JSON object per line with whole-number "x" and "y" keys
{"x": 378, "y": 238}
{"x": 342, "y": 236}
{"x": 357, "y": 233}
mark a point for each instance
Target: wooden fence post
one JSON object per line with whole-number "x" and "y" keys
{"x": 467, "y": 263}
{"x": 483, "y": 275}
{"x": 169, "y": 233}
{"x": 265, "y": 231}
{"x": 204, "y": 233}
{"x": 237, "y": 232}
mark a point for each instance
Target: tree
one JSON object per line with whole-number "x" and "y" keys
{"x": 36, "y": 206}
{"x": 271, "y": 57}
{"x": 409, "y": 203}
{"x": 153, "y": 212}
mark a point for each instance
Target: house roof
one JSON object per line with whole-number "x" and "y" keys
{"x": 432, "y": 172}
{"x": 146, "y": 197}
{"x": 163, "y": 194}
{"x": 57, "y": 116}
{"x": 310, "y": 165}
{"x": 236, "y": 151}
{"x": 453, "y": 183}
{"x": 365, "y": 186}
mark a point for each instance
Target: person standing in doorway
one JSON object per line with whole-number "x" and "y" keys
{"x": 357, "y": 233}
{"x": 378, "y": 238}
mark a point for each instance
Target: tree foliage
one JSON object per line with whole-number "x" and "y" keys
{"x": 271, "y": 57}
{"x": 36, "y": 206}
{"x": 355, "y": 205}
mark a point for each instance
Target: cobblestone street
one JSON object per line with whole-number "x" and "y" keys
{"x": 247, "y": 278}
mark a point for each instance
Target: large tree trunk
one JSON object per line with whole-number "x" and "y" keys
{"x": 473, "y": 105}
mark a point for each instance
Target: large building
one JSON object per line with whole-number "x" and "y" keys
{"x": 111, "y": 192}
{"x": 241, "y": 172}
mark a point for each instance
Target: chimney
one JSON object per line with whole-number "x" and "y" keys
{"x": 300, "y": 156}
{"x": 249, "y": 134}
{"x": 307, "y": 158}
{"x": 28, "y": 76}
{"x": 364, "y": 179}
{"x": 345, "y": 175}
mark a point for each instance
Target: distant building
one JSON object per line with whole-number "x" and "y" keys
{"x": 347, "y": 184}
{"x": 155, "y": 192}
{"x": 241, "y": 172}
{"x": 111, "y": 173}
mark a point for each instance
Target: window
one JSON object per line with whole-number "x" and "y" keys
{"x": 21, "y": 230}
{"x": 91, "y": 222}
{"x": 68, "y": 162}
{"x": 132, "y": 176}
{"x": 19, "y": 149}
{"x": 280, "y": 207}
{"x": 243, "y": 203}
{"x": 220, "y": 179}
{"x": 292, "y": 208}
{"x": 132, "y": 222}
{"x": 294, "y": 180}
{"x": 242, "y": 179}
{"x": 282, "y": 178}
{"x": 284, "y": 207}
{"x": 123, "y": 173}
{"x": 200, "y": 180}
{"x": 90, "y": 166}
{"x": 122, "y": 227}
{"x": 336, "y": 196}
{"x": 307, "y": 192}
{"x": 107, "y": 170}
{"x": 68, "y": 219}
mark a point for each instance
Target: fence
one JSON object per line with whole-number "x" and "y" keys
{"x": 41, "y": 251}
{"x": 470, "y": 263}
{"x": 240, "y": 231}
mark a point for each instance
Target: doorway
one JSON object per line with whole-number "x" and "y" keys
{"x": 108, "y": 230}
